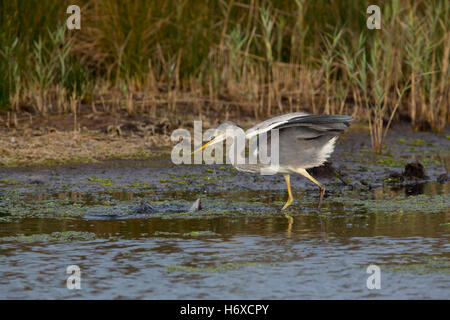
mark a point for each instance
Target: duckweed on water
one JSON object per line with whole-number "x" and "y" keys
{"x": 429, "y": 265}
{"x": 104, "y": 182}
{"x": 54, "y": 236}
{"x": 188, "y": 234}
{"x": 168, "y": 234}
{"x": 217, "y": 268}
{"x": 415, "y": 142}
{"x": 412, "y": 204}
{"x": 10, "y": 181}
{"x": 390, "y": 162}
{"x": 138, "y": 184}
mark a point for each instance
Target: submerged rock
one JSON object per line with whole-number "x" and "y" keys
{"x": 144, "y": 208}
{"x": 443, "y": 178}
{"x": 395, "y": 177}
{"x": 196, "y": 206}
{"x": 414, "y": 170}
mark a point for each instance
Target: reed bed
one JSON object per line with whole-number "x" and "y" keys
{"x": 257, "y": 57}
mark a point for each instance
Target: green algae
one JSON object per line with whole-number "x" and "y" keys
{"x": 186, "y": 234}
{"x": 137, "y": 185}
{"x": 104, "y": 182}
{"x": 54, "y": 236}
{"x": 411, "y": 204}
{"x": 10, "y": 181}
{"x": 390, "y": 161}
{"x": 414, "y": 142}
{"x": 428, "y": 265}
{"x": 216, "y": 268}
{"x": 164, "y": 233}
{"x": 394, "y": 179}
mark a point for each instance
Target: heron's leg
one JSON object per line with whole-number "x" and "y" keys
{"x": 305, "y": 173}
{"x": 288, "y": 183}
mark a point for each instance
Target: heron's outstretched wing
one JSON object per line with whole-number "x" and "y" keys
{"x": 271, "y": 123}
{"x": 308, "y": 125}
{"x": 313, "y": 126}
{"x": 304, "y": 140}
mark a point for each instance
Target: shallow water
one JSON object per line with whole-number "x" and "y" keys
{"x": 239, "y": 246}
{"x": 243, "y": 253}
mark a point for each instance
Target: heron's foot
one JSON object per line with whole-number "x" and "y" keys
{"x": 290, "y": 198}
{"x": 287, "y": 204}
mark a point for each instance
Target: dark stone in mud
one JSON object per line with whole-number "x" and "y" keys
{"x": 414, "y": 170}
{"x": 144, "y": 208}
{"x": 366, "y": 183}
{"x": 129, "y": 127}
{"x": 396, "y": 177}
{"x": 36, "y": 181}
{"x": 443, "y": 178}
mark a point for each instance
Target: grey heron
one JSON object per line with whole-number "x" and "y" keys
{"x": 304, "y": 141}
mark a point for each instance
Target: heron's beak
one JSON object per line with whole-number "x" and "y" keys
{"x": 204, "y": 146}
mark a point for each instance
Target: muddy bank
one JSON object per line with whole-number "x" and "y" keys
{"x": 357, "y": 166}
{"x": 411, "y": 164}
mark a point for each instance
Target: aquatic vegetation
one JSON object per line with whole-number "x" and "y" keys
{"x": 391, "y": 162}
{"x": 54, "y": 236}
{"x": 415, "y": 142}
{"x": 164, "y": 233}
{"x": 137, "y": 184}
{"x": 104, "y": 182}
{"x": 186, "y": 234}
{"x": 10, "y": 181}
{"x": 217, "y": 268}
{"x": 399, "y": 205}
{"x": 427, "y": 265}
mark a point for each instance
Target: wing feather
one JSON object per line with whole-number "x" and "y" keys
{"x": 312, "y": 125}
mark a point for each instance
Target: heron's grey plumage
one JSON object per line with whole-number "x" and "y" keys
{"x": 304, "y": 141}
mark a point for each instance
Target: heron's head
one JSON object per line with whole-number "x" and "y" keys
{"x": 224, "y": 130}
